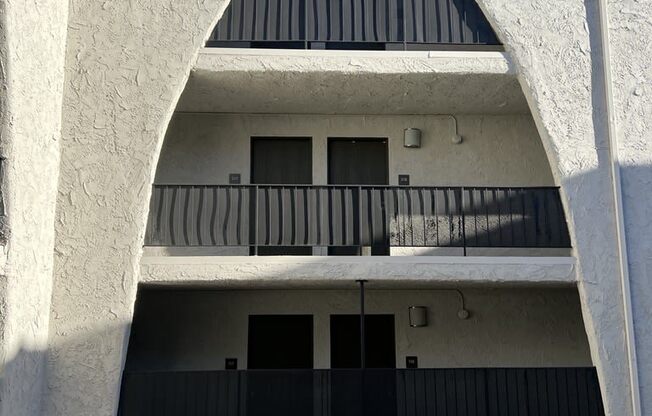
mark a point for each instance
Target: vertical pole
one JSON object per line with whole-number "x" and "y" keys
{"x": 463, "y": 220}
{"x": 404, "y": 27}
{"x": 362, "y": 329}
{"x": 305, "y": 24}
{"x": 360, "y": 219}
{"x": 362, "y": 347}
{"x": 255, "y": 220}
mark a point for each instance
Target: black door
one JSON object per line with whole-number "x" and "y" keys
{"x": 281, "y": 161}
{"x": 358, "y": 161}
{"x": 369, "y": 392}
{"x": 280, "y": 360}
{"x": 353, "y": 161}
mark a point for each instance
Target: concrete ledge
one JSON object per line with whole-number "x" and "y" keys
{"x": 389, "y": 62}
{"x": 354, "y": 53}
{"x": 335, "y": 271}
{"x": 345, "y": 82}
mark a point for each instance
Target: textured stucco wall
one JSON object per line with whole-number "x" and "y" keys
{"x": 368, "y": 82}
{"x": 630, "y": 31}
{"x": 334, "y": 271}
{"x": 545, "y": 326}
{"x": 126, "y": 65}
{"x": 555, "y": 46}
{"x": 497, "y": 150}
{"x": 31, "y": 87}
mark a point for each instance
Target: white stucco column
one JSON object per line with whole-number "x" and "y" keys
{"x": 630, "y": 30}
{"x": 556, "y": 47}
{"x": 32, "y": 44}
{"x": 126, "y": 65}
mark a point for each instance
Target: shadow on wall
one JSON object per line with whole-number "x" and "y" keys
{"x": 16, "y": 389}
{"x": 98, "y": 385}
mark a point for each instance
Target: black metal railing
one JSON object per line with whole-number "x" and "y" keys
{"x": 400, "y": 392}
{"x": 358, "y": 216}
{"x": 353, "y": 24}
{"x": 344, "y": 216}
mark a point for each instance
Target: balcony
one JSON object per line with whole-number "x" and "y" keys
{"x": 377, "y": 392}
{"x": 355, "y": 25}
{"x": 357, "y": 219}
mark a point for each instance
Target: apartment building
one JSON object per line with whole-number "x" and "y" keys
{"x": 321, "y": 207}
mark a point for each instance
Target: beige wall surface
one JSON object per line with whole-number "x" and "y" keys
{"x": 32, "y": 45}
{"x": 496, "y": 151}
{"x": 507, "y": 327}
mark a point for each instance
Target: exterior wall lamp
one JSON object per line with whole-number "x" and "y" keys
{"x": 418, "y": 316}
{"x": 412, "y": 138}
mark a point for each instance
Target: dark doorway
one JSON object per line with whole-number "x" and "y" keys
{"x": 281, "y": 161}
{"x": 369, "y": 392}
{"x": 358, "y": 161}
{"x": 282, "y": 343}
{"x": 279, "y": 342}
{"x": 380, "y": 351}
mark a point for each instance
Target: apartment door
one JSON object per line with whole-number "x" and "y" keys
{"x": 281, "y": 161}
{"x": 280, "y": 361}
{"x": 358, "y": 161}
{"x": 371, "y": 392}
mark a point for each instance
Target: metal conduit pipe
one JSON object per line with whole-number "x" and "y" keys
{"x": 618, "y": 211}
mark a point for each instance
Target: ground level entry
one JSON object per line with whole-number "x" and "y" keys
{"x": 244, "y": 352}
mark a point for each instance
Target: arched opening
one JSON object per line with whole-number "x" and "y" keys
{"x": 313, "y": 155}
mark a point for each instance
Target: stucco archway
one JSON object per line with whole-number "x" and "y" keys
{"x": 124, "y": 78}
{"x": 126, "y": 66}
{"x": 556, "y": 48}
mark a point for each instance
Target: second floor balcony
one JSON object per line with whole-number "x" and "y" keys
{"x": 355, "y": 25}
{"x": 356, "y": 220}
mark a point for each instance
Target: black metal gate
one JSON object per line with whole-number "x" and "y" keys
{"x": 418, "y": 392}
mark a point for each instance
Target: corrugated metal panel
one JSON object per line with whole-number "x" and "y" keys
{"x": 306, "y": 215}
{"x": 402, "y": 392}
{"x": 381, "y": 22}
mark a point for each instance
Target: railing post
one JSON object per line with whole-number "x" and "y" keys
{"x": 305, "y": 24}
{"x": 463, "y": 216}
{"x": 403, "y": 23}
{"x": 255, "y": 220}
{"x": 360, "y": 218}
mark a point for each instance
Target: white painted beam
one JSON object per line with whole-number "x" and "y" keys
{"x": 338, "y": 271}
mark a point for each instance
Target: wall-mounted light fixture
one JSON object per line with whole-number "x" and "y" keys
{"x": 412, "y": 138}
{"x": 455, "y": 137}
{"x": 418, "y": 316}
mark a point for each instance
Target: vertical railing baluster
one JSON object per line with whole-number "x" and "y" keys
{"x": 359, "y": 217}
{"x": 239, "y": 222}
{"x": 255, "y": 221}
{"x": 281, "y": 212}
{"x": 463, "y": 218}
{"x": 268, "y": 217}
